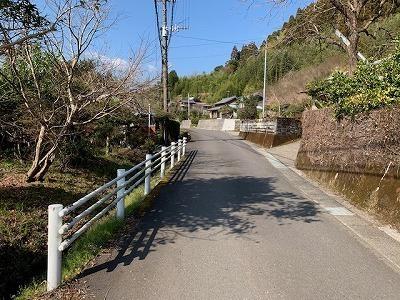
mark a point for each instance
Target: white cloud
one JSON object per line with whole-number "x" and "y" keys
{"x": 115, "y": 64}
{"x": 151, "y": 68}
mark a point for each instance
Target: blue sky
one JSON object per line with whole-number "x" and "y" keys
{"x": 225, "y": 22}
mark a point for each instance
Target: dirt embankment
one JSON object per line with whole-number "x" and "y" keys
{"x": 359, "y": 158}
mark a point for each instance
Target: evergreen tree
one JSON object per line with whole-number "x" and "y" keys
{"x": 248, "y": 51}
{"x": 173, "y": 79}
{"x": 235, "y": 55}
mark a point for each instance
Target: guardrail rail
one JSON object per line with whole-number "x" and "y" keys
{"x": 73, "y": 220}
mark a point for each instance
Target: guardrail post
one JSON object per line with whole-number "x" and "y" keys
{"x": 54, "y": 239}
{"x": 147, "y": 179}
{"x": 121, "y": 202}
{"x": 184, "y": 146}
{"x": 172, "y": 155}
{"x": 179, "y": 149}
{"x": 163, "y": 160}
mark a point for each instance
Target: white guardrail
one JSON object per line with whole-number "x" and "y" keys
{"x": 112, "y": 195}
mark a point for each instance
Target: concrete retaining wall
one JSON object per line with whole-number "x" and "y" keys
{"x": 359, "y": 158}
{"x": 267, "y": 140}
{"x": 186, "y": 124}
{"x": 219, "y": 124}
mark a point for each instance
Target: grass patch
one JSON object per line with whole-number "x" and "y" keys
{"x": 90, "y": 244}
{"x": 23, "y": 212}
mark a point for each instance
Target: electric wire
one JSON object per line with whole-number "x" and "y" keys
{"x": 215, "y": 41}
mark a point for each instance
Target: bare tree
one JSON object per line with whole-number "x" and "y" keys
{"x": 357, "y": 16}
{"x": 21, "y": 21}
{"x": 353, "y": 17}
{"x": 62, "y": 84}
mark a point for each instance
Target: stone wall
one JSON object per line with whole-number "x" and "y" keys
{"x": 358, "y": 158}
{"x": 288, "y": 126}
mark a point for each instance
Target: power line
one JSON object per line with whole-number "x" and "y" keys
{"x": 215, "y": 41}
{"x": 194, "y": 45}
{"x": 202, "y": 56}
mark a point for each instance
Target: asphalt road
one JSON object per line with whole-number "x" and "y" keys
{"x": 231, "y": 226}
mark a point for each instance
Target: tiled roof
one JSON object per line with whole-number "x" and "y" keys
{"x": 226, "y": 100}
{"x": 214, "y": 108}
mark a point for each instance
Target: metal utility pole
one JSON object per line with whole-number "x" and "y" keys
{"x": 265, "y": 81}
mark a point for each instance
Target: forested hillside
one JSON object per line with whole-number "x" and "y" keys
{"x": 296, "y": 55}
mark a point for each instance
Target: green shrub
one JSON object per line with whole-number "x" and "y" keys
{"x": 249, "y": 109}
{"x": 370, "y": 87}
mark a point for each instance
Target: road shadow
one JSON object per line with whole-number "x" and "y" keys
{"x": 228, "y": 205}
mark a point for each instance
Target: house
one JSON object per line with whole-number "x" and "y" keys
{"x": 183, "y": 104}
{"x": 225, "y": 108}
{"x": 194, "y": 105}
{"x": 215, "y": 112}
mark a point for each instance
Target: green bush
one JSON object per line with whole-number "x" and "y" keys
{"x": 370, "y": 87}
{"x": 249, "y": 109}
{"x": 173, "y": 129}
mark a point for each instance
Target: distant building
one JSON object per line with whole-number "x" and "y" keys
{"x": 195, "y": 105}
{"x": 226, "y": 108}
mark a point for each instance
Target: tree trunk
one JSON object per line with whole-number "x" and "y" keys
{"x": 45, "y": 165}
{"x": 107, "y": 145}
{"x": 35, "y": 168}
{"x": 352, "y": 51}
{"x": 42, "y": 161}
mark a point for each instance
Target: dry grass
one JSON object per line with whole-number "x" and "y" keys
{"x": 291, "y": 88}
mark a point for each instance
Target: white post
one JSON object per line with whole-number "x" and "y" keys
{"x": 147, "y": 179}
{"x": 172, "y": 155}
{"x": 54, "y": 239}
{"x": 163, "y": 160}
{"x": 121, "y": 202}
{"x": 179, "y": 149}
{"x": 184, "y": 146}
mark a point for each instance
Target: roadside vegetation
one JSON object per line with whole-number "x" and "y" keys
{"x": 68, "y": 120}
{"x": 304, "y": 50}
{"x": 23, "y": 210}
{"x": 372, "y": 86}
